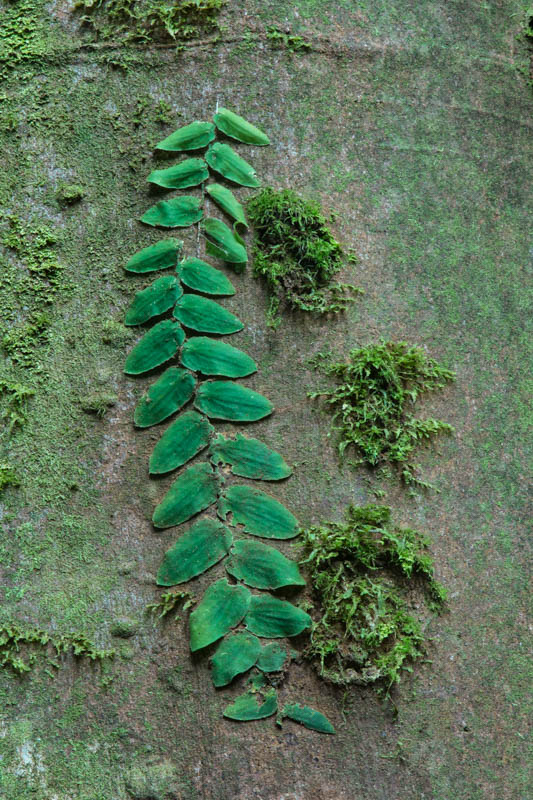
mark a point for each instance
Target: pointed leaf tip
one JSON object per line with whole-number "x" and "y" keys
{"x": 223, "y": 159}
{"x": 189, "y": 137}
{"x": 178, "y": 212}
{"x": 238, "y": 128}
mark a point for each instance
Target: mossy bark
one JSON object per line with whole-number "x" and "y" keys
{"x": 413, "y": 123}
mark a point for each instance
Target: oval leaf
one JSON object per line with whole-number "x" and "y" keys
{"x": 307, "y": 716}
{"x": 186, "y": 437}
{"x": 192, "y": 492}
{"x": 157, "y": 346}
{"x": 260, "y": 513}
{"x": 178, "y": 212}
{"x": 190, "y": 137}
{"x": 227, "y": 202}
{"x": 167, "y": 395}
{"x": 238, "y": 128}
{"x": 222, "y": 242}
{"x": 212, "y": 357}
{"x": 198, "y": 549}
{"x": 230, "y": 401}
{"x": 274, "y": 619}
{"x": 249, "y": 458}
{"x": 235, "y": 655}
{"x": 224, "y": 160}
{"x": 222, "y": 607}
{"x": 262, "y": 567}
{"x": 272, "y": 658}
{"x": 190, "y": 172}
{"x": 247, "y": 707}
{"x": 161, "y": 255}
{"x": 202, "y": 314}
{"x": 154, "y": 300}
{"x": 196, "y": 274}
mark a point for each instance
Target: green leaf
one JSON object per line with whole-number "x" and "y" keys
{"x": 227, "y": 202}
{"x": 205, "y": 543}
{"x": 260, "y": 513}
{"x": 212, "y": 357}
{"x": 238, "y": 128}
{"x": 178, "y": 212}
{"x": 222, "y": 242}
{"x": 192, "y": 492}
{"x": 186, "y": 437}
{"x": 202, "y": 314}
{"x": 230, "y": 401}
{"x": 235, "y": 655}
{"x": 161, "y": 255}
{"x": 154, "y": 300}
{"x": 157, "y": 346}
{"x": 190, "y": 172}
{"x": 167, "y": 395}
{"x": 272, "y": 658}
{"x": 224, "y": 160}
{"x": 249, "y": 458}
{"x": 247, "y": 707}
{"x": 190, "y": 137}
{"x": 222, "y": 607}
{"x": 202, "y": 277}
{"x": 262, "y": 567}
{"x": 274, "y": 619}
{"x": 307, "y": 716}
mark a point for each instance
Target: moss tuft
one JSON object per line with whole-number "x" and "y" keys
{"x": 98, "y": 403}
{"x": 283, "y": 39}
{"x": 15, "y": 411}
{"x": 70, "y": 193}
{"x": 21, "y": 647}
{"x": 147, "y": 20}
{"x": 169, "y": 601}
{"x": 361, "y": 572}
{"x": 376, "y": 390}
{"x": 296, "y": 253}
{"x": 8, "y": 477}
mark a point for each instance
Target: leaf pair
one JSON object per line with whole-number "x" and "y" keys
{"x": 196, "y": 489}
{"x": 224, "y": 606}
{"x": 255, "y": 564}
{"x": 199, "y": 134}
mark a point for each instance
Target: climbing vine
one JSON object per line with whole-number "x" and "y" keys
{"x": 237, "y": 612}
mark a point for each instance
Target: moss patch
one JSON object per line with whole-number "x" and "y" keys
{"x": 361, "y": 572}
{"x": 21, "y": 647}
{"x": 296, "y": 253}
{"x": 148, "y": 20}
{"x": 373, "y": 400}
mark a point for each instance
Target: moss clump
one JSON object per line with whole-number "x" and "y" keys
{"x": 15, "y": 411}
{"x": 21, "y": 647}
{"x": 147, "y": 20}
{"x": 296, "y": 44}
{"x": 99, "y": 403}
{"x": 373, "y": 400}
{"x": 70, "y": 193}
{"x": 170, "y": 601}
{"x": 296, "y": 253}
{"x": 22, "y": 340}
{"x": 8, "y": 477}
{"x": 361, "y": 572}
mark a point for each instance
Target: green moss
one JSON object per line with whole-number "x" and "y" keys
{"x": 361, "y": 572}
{"x": 21, "y": 647}
{"x": 25, "y": 35}
{"x": 69, "y": 193}
{"x": 296, "y": 44}
{"x": 99, "y": 403}
{"x": 296, "y": 253}
{"x": 169, "y": 601}
{"x": 147, "y": 20}
{"x": 15, "y": 411}
{"x": 373, "y": 400}
{"x": 8, "y": 477}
